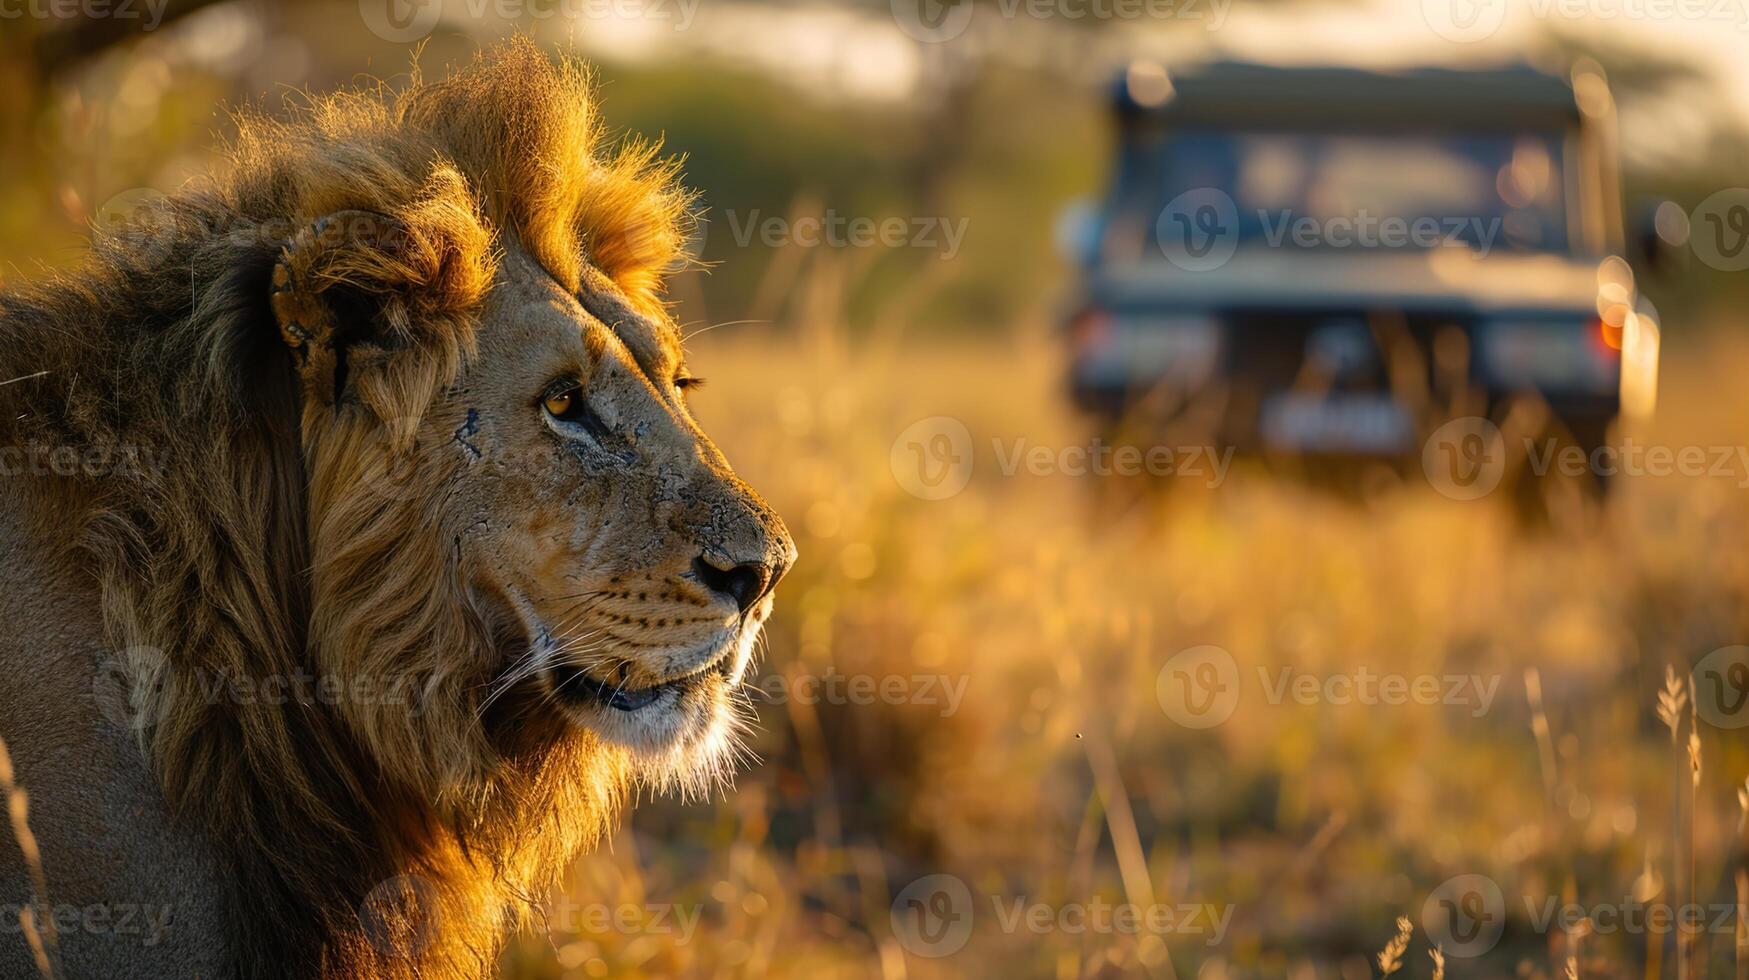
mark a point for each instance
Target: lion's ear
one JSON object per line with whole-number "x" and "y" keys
{"x": 338, "y": 285}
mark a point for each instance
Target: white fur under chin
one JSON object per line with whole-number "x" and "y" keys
{"x": 697, "y": 767}
{"x": 688, "y": 745}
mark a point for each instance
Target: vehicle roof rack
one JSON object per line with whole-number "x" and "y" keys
{"x": 1229, "y": 93}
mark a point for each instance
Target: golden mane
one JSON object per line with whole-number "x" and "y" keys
{"x": 400, "y": 844}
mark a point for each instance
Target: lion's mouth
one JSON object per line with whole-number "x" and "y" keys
{"x": 575, "y": 686}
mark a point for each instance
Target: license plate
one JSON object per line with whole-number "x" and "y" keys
{"x": 1373, "y": 424}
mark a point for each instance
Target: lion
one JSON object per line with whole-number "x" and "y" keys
{"x": 365, "y": 557}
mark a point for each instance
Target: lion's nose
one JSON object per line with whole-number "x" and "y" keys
{"x": 746, "y": 583}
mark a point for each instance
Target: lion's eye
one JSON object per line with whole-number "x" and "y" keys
{"x": 564, "y": 403}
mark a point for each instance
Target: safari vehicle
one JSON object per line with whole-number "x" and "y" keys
{"x": 1335, "y": 261}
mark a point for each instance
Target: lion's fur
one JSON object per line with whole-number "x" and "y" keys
{"x": 238, "y": 555}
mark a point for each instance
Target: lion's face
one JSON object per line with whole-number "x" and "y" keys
{"x": 514, "y": 515}
{"x": 627, "y": 569}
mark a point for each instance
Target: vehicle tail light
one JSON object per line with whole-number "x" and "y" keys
{"x": 1089, "y": 329}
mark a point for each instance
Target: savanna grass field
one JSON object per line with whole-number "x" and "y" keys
{"x": 1228, "y": 722}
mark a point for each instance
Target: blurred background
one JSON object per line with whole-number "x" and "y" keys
{"x": 1175, "y": 403}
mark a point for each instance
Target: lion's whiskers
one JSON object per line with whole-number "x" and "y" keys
{"x": 538, "y": 657}
{"x": 550, "y": 650}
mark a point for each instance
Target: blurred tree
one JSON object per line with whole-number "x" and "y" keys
{"x": 58, "y": 43}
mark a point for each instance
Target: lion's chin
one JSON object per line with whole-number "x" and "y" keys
{"x": 682, "y": 735}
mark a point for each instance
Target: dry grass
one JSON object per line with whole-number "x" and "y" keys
{"x": 1061, "y": 779}
{"x": 44, "y": 942}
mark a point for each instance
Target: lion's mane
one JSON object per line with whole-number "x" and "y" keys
{"x": 227, "y": 553}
